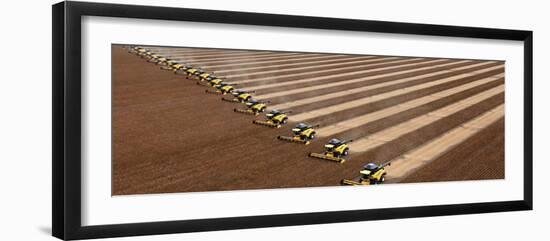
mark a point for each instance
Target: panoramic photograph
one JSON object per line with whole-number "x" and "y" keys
{"x": 192, "y": 119}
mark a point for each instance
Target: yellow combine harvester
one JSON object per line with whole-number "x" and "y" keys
{"x": 335, "y": 150}
{"x": 176, "y": 67}
{"x": 221, "y": 88}
{"x": 303, "y": 133}
{"x": 215, "y": 81}
{"x": 370, "y": 175}
{"x": 153, "y": 58}
{"x": 255, "y": 107}
{"x": 139, "y": 51}
{"x": 239, "y": 96}
{"x": 144, "y": 53}
{"x": 133, "y": 49}
{"x": 194, "y": 72}
{"x": 163, "y": 61}
{"x": 274, "y": 119}
{"x": 207, "y": 77}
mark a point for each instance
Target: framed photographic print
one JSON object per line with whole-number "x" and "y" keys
{"x": 169, "y": 120}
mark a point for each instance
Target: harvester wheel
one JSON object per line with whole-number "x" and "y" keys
{"x": 285, "y": 120}
{"x": 345, "y": 153}
{"x": 383, "y": 178}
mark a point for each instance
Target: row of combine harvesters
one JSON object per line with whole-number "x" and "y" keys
{"x": 335, "y": 149}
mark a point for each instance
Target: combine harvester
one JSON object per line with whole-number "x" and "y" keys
{"x": 274, "y": 119}
{"x": 157, "y": 59}
{"x": 207, "y": 77}
{"x": 221, "y": 89}
{"x": 151, "y": 57}
{"x": 194, "y": 72}
{"x": 143, "y": 53}
{"x": 169, "y": 64}
{"x": 176, "y": 67}
{"x": 370, "y": 175}
{"x": 240, "y": 96}
{"x": 212, "y": 82}
{"x": 335, "y": 150}
{"x": 303, "y": 133}
{"x": 215, "y": 82}
{"x": 133, "y": 49}
{"x": 255, "y": 107}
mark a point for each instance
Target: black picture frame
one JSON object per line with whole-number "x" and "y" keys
{"x": 66, "y": 167}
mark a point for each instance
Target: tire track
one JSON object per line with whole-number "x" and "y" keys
{"x": 270, "y": 67}
{"x": 243, "y": 59}
{"x": 374, "y": 140}
{"x": 284, "y": 71}
{"x": 352, "y": 92}
{"x": 422, "y": 155}
{"x": 281, "y": 89}
{"x": 338, "y": 73}
{"x": 392, "y": 98}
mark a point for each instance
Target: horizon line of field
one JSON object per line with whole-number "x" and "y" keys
{"x": 272, "y": 65}
{"x": 394, "y": 63}
{"x": 189, "y": 51}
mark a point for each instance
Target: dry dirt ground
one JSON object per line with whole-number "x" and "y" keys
{"x": 435, "y": 119}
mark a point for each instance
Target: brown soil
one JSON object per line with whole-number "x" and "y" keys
{"x": 468, "y": 161}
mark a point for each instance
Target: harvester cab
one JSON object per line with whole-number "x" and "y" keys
{"x": 335, "y": 150}
{"x": 371, "y": 174}
{"x": 241, "y": 96}
{"x": 303, "y": 133}
{"x": 274, "y": 119}
{"x": 255, "y": 107}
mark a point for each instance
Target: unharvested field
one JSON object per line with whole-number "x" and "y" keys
{"x": 435, "y": 119}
